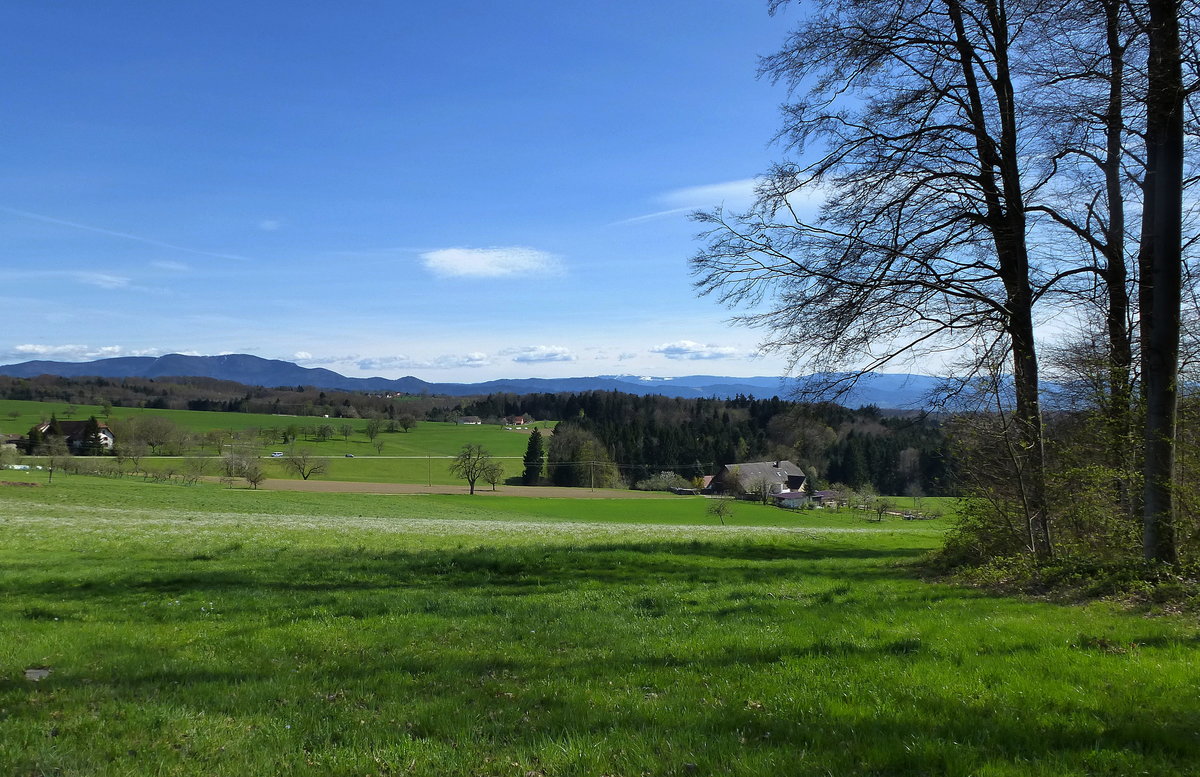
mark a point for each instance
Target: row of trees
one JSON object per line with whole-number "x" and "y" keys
{"x": 210, "y": 394}
{"x": 985, "y": 165}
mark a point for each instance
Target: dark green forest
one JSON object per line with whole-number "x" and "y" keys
{"x": 644, "y": 435}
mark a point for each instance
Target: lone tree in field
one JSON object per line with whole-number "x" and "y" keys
{"x": 305, "y": 464}
{"x": 471, "y": 464}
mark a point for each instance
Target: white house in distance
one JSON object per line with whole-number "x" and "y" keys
{"x": 471, "y": 420}
{"x": 781, "y": 478}
{"x": 75, "y": 431}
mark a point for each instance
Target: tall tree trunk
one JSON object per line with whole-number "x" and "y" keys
{"x": 1119, "y": 415}
{"x": 1000, "y": 180}
{"x": 1160, "y": 262}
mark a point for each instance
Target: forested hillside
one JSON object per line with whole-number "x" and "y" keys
{"x": 640, "y": 436}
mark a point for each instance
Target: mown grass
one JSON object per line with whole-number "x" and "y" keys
{"x": 207, "y": 631}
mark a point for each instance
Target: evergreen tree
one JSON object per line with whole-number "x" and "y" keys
{"x": 93, "y": 444}
{"x": 35, "y": 438}
{"x": 534, "y": 453}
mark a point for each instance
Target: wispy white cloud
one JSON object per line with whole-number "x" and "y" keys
{"x": 473, "y": 359}
{"x": 114, "y": 233}
{"x": 687, "y": 349}
{"x": 444, "y": 362}
{"x": 732, "y": 194}
{"x": 531, "y": 354}
{"x": 269, "y": 225}
{"x": 166, "y": 264}
{"x": 103, "y": 280}
{"x": 307, "y": 359}
{"x": 490, "y": 262}
{"x": 659, "y": 214}
{"x": 75, "y": 352}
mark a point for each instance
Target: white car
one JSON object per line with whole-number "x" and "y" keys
{"x": 277, "y": 455}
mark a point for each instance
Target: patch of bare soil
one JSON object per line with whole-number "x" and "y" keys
{"x": 346, "y": 487}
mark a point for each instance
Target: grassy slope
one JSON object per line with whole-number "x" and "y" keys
{"x": 208, "y": 631}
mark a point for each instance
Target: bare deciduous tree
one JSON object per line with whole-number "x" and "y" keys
{"x": 305, "y": 463}
{"x": 921, "y": 244}
{"x": 471, "y": 463}
{"x": 493, "y": 473}
{"x": 254, "y": 473}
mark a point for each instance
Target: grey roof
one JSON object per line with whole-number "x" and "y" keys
{"x": 771, "y": 471}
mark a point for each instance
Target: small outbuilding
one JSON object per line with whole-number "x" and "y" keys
{"x": 791, "y": 499}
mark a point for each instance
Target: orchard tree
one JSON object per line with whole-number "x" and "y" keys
{"x": 253, "y": 473}
{"x": 493, "y": 473}
{"x": 305, "y": 463}
{"x": 54, "y": 449}
{"x": 472, "y": 463}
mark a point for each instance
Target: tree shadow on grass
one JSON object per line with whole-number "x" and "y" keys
{"x": 508, "y": 569}
{"x": 713, "y": 712}
{"x": 478, "y": 671}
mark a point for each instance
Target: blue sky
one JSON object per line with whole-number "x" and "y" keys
{"x": 454, "y": 191}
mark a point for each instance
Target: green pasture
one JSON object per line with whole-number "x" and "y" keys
{"x": 434, "y": 470}
{"x": 175, "y": 630}
{"x": 30, "y": 413}
{"x": 429, "y": 438}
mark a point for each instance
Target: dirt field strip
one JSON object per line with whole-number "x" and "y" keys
{"x": 346, "y": 487}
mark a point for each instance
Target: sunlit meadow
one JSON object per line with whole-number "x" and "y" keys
{"x": 163, "y": 629}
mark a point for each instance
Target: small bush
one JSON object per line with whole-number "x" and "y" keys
{"x": 663, "y": 481}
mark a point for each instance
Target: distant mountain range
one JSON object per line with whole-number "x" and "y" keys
{"x": 884, "y": 391}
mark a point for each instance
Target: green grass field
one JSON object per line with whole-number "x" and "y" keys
{"x": 417, "y": 456}
{"x": 428, "y": 438}
{"x": 200, "y": 631}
